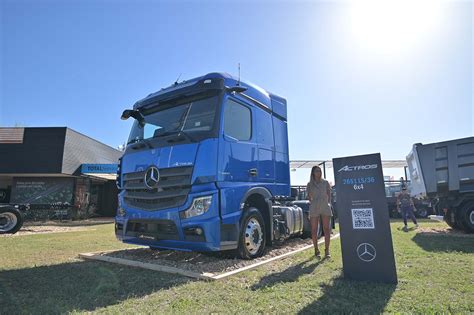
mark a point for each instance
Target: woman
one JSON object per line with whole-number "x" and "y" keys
{"x": 319, "y": 195}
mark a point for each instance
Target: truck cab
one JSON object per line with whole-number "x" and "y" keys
{"x": 203, "y": 161}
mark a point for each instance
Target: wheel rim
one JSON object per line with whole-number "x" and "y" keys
{"x": 471, "y": 217}
{"x": 7, "y": 221}
{"x": 253, "y": 236}
{"x": 423, "y": 213}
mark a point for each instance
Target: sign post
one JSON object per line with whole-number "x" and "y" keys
{"x": 366, "y": 239}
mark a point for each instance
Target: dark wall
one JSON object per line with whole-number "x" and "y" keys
{"x": 108, "y": 203}
{"x": 56, "y": 150}
{"x": 43, "y": 190}
{"x": 41, "y": 152}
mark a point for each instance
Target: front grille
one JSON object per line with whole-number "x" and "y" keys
{"x": 173, "y": 189}
{"x": 156, "y": 229}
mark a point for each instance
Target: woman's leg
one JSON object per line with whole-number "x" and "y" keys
{"x": 327, "y": 231}
{"x": 314, "y": 232}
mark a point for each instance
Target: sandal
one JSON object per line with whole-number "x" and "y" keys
{"x": 327, "y": 254}
{"x": 317, "y": 253}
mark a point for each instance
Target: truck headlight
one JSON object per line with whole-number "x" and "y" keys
{"x": 199, "y": 206}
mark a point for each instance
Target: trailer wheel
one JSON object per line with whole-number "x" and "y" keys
{"x": 252, "y": 238}
{"x": 466, "y": 217}
{"x": 11, "y": 220}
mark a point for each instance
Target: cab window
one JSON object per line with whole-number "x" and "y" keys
{"x": 237, "y": 121}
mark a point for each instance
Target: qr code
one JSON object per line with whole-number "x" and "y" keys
{"x": 363, "y": 218}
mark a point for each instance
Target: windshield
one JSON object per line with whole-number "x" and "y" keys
{"x": 193, "y": 116}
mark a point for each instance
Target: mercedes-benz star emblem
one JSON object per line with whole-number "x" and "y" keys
{"x": 152, "y": 176}
{"x": 366, "y": 252}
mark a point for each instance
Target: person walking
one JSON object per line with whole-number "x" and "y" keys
{"x": 405, "y": 203}
{"x": 319, "y": 194}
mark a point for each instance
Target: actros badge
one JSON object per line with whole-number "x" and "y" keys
{"x": 366, "y": 252}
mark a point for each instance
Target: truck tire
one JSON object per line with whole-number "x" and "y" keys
{"x": 450, "y": 219}
{"x": 466, "y": 217}
{"x": 11, "y": 220}
{"x": 252, "y": 237}
{"x": 422, "y": 212}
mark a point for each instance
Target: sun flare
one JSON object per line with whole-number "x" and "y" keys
{"x": 390, "y": 27}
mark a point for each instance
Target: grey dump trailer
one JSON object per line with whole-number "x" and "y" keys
{"x": 443, "y": 173}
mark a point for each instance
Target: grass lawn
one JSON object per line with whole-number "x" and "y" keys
{"x": 41, "y": 274}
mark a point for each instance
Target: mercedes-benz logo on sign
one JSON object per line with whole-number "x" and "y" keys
{"x": 366, "y": 252}
{"x": 152, "y": 176}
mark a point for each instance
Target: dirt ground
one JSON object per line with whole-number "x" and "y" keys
{"x": 38, "y": 227}
{"x": 443, "y": 231}
{"x": 214, "y": 263}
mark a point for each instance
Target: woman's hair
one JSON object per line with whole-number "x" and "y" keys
{"x": 315, "y": 168}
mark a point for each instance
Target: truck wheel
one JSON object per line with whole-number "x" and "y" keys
{"x": 450, "y": 219}
{"x": 11, "y": 220}
{"x": 252, "y": 235}
{"x": 422, "y": 212}
{"x": 466, "y": 217}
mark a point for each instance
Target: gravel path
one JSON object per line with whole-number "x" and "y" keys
{"x": 204, "y": 262}
{"x": 443, "y": 231}
{"x": 45, "y": 229}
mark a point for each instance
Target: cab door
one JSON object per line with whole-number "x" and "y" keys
{"x": 239, "y": 151}
{"x": 266, "y": 146}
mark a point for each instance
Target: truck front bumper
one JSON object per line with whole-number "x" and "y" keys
{"x": 165, "y": 229}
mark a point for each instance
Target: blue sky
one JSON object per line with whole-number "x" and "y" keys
{"x": 376, "y": 81}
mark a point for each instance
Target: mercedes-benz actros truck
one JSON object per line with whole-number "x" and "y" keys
{"x": 206, "y": 168}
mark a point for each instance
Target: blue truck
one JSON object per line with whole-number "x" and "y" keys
{"x": 206, "y": 168}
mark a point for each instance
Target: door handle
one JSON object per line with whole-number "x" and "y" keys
{"x": 253, "y": 172}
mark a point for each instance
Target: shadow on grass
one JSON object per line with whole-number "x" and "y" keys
{"x": 69, "y": 223}
{"x": 435, "y": 242}
{"x": 406, "y": 230}
{"x": 81, "y": 286}
{"x": 290, "y": 274}
{"x": 347, "y": 296}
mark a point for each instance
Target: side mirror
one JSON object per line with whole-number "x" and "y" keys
{"x": 126, "y": 114}
{"x": 134, "y": 114}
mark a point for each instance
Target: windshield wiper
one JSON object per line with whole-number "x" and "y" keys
{"x": 178, "y": 133}
{"x": 145, "y": 141}
{"x": 187, "y": 135}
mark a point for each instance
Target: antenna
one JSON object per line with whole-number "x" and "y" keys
{"x": 176, "y": 82}
{"x": 238, "y": 82}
